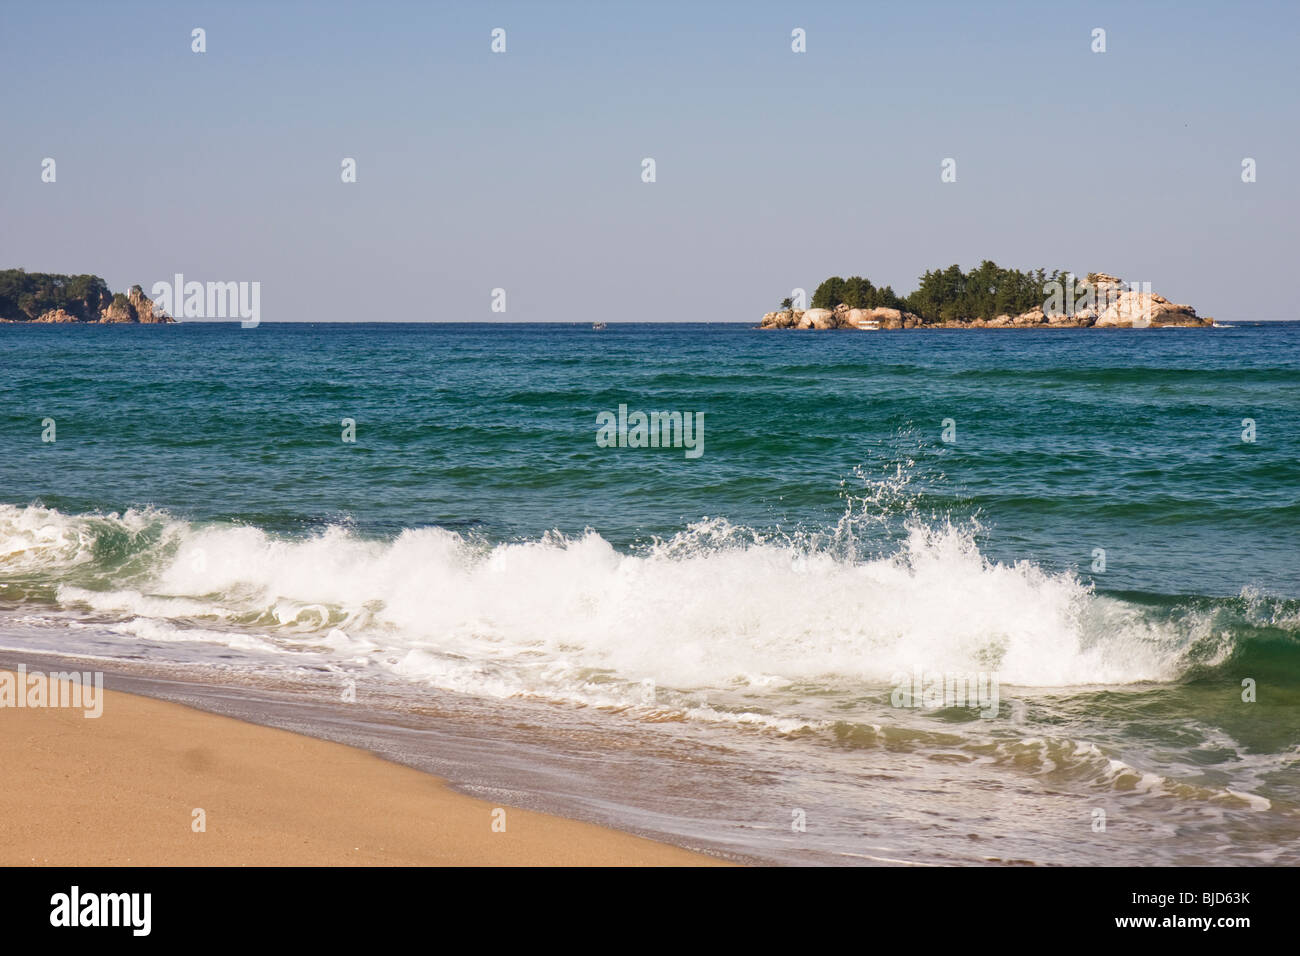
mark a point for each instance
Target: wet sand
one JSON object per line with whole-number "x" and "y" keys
{"x": 124, "y": 788}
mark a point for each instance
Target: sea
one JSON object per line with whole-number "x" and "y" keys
{"x": 968, "y": 597}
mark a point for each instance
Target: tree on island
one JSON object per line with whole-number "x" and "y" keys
{"x": 855, "y": 292}
{"x": 27, "y": 295}
{"x": 943, "y": 295}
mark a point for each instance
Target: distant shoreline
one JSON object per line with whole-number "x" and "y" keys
{"x": 988, "y": 297}
{"x": 613, "y": 324}
{"x": 1065, "y": 322}
{"x": 51, "y": 298}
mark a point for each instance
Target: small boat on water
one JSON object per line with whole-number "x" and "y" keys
{"x": 598, "y": 326}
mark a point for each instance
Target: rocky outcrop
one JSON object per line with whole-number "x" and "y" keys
{"x": 1140, "y": 310}
{"x": 1101, "y": 280}
{"x": 817, "y": 319}
{"x": 134, "y": 307}
{"x": 57, "y": 299}
{"x": 1115, "y": 306}
{"x": 119, "y": 310}
{"x": 1107, "y": 303}
{"x": 56, "y": 316}
{"x": 780, "y": 320}
{"x": 144, "y": 310}
{"x": 841, "y": 317}
{"x": 885, "y": 318}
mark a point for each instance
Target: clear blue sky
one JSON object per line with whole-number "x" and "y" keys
{"x": 523, "y": 170}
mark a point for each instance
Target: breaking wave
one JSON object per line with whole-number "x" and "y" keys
{"x": 574, "y": 618}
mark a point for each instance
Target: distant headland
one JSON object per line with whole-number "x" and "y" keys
{"x": 49, "y": 298}
{"x": 988, "y": 297}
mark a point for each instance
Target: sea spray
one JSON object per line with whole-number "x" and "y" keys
{"x": 716, "y": 605}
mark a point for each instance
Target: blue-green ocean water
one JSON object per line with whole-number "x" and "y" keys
{"x": 1075, "y": 512}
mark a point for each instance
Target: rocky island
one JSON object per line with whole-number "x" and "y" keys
{"x": 50, "y": 298}
{"x": 988, "y": 297}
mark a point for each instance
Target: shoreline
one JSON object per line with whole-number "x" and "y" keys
{"x": 124, "y": 788}
{"x": 893, "y": 320}
{"x": 988, "y": 297}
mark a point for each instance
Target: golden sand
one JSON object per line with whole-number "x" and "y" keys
{"x": 123, "y": 789}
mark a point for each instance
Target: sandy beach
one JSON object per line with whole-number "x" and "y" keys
{"x": 122, "y": 790}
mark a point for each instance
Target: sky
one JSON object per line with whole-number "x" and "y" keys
{"x": 523, "y": 170}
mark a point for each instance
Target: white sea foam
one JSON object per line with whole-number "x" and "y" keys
{"x": 573, "y": 618}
